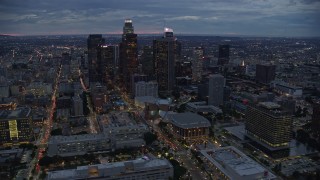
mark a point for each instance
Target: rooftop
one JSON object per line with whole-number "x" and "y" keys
{"x": 122, "y": 168}
{"x": 83, "y": 137}
{"x": 22, "y": 112}
{"x": 235, "y": 164}
{"x": 188, "y": 120}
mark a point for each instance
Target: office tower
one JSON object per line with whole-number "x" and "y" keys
{"x": 316, "y": 117}
{"x": 146, "y": 89}
{"x": 223, "y": 57}
{"x": 197, "y": 64}
{"x": 128, "y": 53}
{"x": 164, "y": 61}
{"x": 137, "y": 78}
{"x": 216, "y": 89}
{"x": 265, "y": 73}
{"x": 106, "y": 58}
{"x": 77, "y": 105}
{"x": 183, "y": 69}
{"x": 15, "y": 126}
{"x": 147, "y": 60}
{"x": 269, "y": 125}
{"x": 93, "y": 41}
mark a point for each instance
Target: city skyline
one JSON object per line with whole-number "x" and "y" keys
{"x": 293, "y": 18}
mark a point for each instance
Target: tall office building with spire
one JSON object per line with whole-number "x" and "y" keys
{"x": 164, "y": 59}
{"x": 128, "y": 53}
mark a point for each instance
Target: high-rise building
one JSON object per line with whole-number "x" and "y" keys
{"x": 128, "y": 53}
{"x": 265, "y": 73}
{"x": 147, "y": 60}
{"x": 146, "y": 89}
{"x": 107, "y": 58}
{"x": 223, "y": 57}
{"x": 269, "y": 125}
{"x": 77, "y": 105}
{"x": 316, "y": 117}
{"x": 94, "y": 40}
{"x": 164, "y": 61}
{"x": 216, "y": 89}
{"x": 197, "y": 64}
{"x": 15, "y": 126}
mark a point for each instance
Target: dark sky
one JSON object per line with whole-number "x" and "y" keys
{"x": 215, "y": 17}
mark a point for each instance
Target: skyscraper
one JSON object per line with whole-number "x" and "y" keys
{"x": 93, "y": 41}
{"x": 197, "y": 64}
{"x": 316, "y": 117}
{"x": 107, "y": 55}
{"x": 128, "y": 53}
{"x": 164, "y": 60}
{"x": 223, "y": 57}
{"x": 265, "y": 73}
{"x": 216, "y": 88}
{"x": 147, "y": 60}
{"x": 269, "y": 125}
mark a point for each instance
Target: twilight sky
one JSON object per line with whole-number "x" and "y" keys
{"x": 214, "y": 17}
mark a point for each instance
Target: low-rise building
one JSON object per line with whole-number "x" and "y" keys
{"x": 142, "y": 168}
{"x": 202, "y": 107}
{"x": 286, "y": 89}
{"x": 78, "y": 144}
{"x": 230, "y": 163}
{"x": 15, "y": 126}
{"x": 189, "y": 126}
{"x": 123, "y": 129}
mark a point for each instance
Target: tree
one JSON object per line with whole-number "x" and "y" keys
{"x": 56, "y": 132}
{"x": 150, "y": 138}
{"x": 46, "y": 161}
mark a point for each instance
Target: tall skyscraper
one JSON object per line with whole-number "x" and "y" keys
{"x": 269, "y": 125}
{"x": 128, "y": 53}
{"x": 197, "y": 64}
{"x": 164, "y": 61}
{"x": 77, "y": 106}
{"x": 316, "y": 117}
{"x": 265, "y": 73}
{"x": 147, "y": 60}
{"x": 107, "y": 57}
{"x": 223, "y": 57}
{"x": 93, "y": 41}
{"x": 216, "y": 89}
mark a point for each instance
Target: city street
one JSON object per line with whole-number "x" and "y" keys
{"x": 45, "y": 133}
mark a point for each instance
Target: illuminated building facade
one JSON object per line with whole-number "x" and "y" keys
{"x": 164, "y": 61}
{"x": 93, "y": 41}
{"x": 268, "y": 125}
{"x": 15, "y": 126}
{"x": 128, "y": 54}
{"x": 189, "y": 126}
{"x": 197, "y": 64}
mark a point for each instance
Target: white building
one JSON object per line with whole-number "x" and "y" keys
{"x": 230, "y": 163}
{"x": 216, "y": 89}
{"x": 142, "y": 168}
{"x": 143, "y": 88}
{"x": 78, "y": 144}
{"x": 286, "y": 89}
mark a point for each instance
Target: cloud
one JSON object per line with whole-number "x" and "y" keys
{"x": 183, "y": 18}
{"x": 249, "y": 17}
